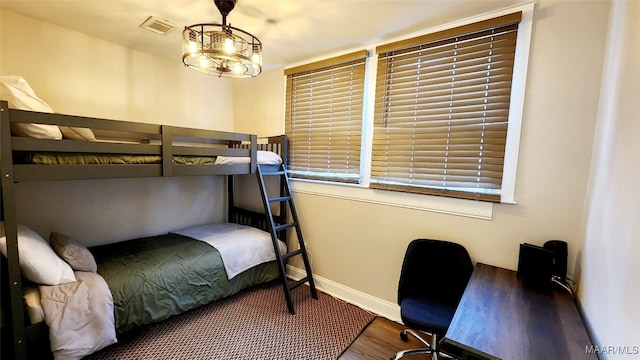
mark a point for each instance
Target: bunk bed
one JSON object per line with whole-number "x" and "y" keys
{"x": 92, "y": 148}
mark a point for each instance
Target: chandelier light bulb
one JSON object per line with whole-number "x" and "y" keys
{"x": 204, "y": 62}
{"x": 229, "y": 47}
{"x": 255, "y": 58}
{"x": 193, "y": 46}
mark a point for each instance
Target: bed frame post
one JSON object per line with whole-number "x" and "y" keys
{"x": 284, "y": 149}
{"x": 254, "y": 154}
{"x": 167, "y": 150}
{"x": 11, "y": 232}
{"x": 284, "y": 218}
{"x": 230, "y": 202}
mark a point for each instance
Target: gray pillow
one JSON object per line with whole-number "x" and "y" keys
{"x": 74, "y": 253}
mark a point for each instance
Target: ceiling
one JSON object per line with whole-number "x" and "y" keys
{"x": 292, "y": 31}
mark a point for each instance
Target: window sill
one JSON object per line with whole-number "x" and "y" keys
{"x": 438, "y": 204}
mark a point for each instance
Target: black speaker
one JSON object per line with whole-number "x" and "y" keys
{"x": 535, "y": 265}
{"x": 559, "y": 249}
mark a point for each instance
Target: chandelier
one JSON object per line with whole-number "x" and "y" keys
{"x": 221, "y": 49}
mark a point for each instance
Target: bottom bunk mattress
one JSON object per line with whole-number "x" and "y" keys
{"x": 156, "y": 277}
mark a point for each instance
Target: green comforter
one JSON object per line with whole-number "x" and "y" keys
{"x": 156, "y": 277}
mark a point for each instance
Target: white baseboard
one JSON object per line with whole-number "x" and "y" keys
{"x": 370, "y": 303}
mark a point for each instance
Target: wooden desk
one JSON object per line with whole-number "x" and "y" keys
{"x": 500, "y": 317}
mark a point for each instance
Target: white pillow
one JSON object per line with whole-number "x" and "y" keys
{"x": 38, "y": 261}
{"x": 17, "y": 92}
{"x": 264, "y": 158}
{"x": 76, "y": 133}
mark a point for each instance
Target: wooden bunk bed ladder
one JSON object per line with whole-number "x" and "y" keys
{"x": 275, "y": 228}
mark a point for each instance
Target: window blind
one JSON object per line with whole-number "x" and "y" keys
{"x": 323, "y": 118}
{"x": 442, "y": 109}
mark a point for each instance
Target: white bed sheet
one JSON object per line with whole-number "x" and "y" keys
{"x": 241, "y": 247}
{"x": 263, "y": 158}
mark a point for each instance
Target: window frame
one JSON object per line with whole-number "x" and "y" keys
{"x": 430, "y": 122}
{"x": 460, "y": 207}
{"x": 312, "y": 107}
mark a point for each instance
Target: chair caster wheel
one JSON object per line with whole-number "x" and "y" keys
{"x": 404, "y": 336}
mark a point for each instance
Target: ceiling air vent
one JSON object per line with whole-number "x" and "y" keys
{"x": 157, "y": 25}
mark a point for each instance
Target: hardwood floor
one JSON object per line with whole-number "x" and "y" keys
{"x": 380, "y": 340}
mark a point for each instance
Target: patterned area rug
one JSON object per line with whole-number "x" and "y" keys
{"x": 254, "y": 324}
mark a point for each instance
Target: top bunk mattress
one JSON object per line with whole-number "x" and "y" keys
{"x": 64, "y": 158}
{"x": 53, "y": 158}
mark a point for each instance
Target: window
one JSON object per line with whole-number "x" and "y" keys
{"x": 441, "y": 116}
{"x": 323, "y": 118}
{"x": 442, "y": 111}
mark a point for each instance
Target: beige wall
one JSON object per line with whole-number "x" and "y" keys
{"x": 258, "y": 104}
{"x": 610, "y": 288}
{"x": 81, "y": 75}
{"x": 360, "y": 245}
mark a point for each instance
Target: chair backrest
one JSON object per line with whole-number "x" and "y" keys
{"x": 436, "y": 269}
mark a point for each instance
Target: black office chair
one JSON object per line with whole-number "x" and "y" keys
{"x": 433, "y": 277}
